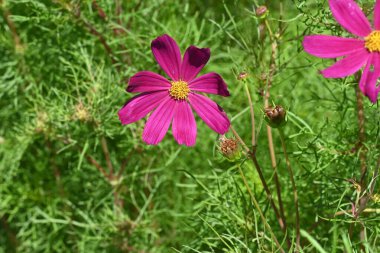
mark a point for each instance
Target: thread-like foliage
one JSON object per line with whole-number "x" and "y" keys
{"x": 73, "y": 179}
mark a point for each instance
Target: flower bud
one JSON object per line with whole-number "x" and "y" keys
{"x": 229, "y": 148}
{"x": 243, "y": 76}
{"x": 261, "y": 11}
{"x": 275, "y": 117}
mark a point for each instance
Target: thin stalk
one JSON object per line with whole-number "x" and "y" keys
{"x": 263, "y": 182}
{"x": 362, "y": 156}
{"x": 240, "y": 140}
{"x": 269, "y": 194}
{"x": 272, "y": 71}
{"x": 107, "y": 156}
{"x": 252, "y": 114}
{"x": 274, "y": 163}
{"x": 295, "y": 194}
{"x": 12, "y": 27}
{"x": 256, "y": 204}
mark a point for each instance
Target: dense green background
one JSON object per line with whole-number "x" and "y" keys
{"x": 61, "y": 88}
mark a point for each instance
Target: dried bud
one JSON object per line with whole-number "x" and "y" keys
{"x": 243, "y": 76}
{"x": 261, "y": 11}
{"x": 81, "y": 112}
{"x": 229, "y": 148}
{"x": 275, "y": 117}
{"x": 41, "y": 120}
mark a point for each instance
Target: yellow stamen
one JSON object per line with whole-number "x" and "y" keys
{"x": 372, "y": 41}
{"x": 179, "y": 90}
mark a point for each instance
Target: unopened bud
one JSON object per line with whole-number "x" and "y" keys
{"x": 261, "y": 11}
{"x": 275, "y": 117}
{"x": 243, "y": 76}
{"x": 230, "y": 149}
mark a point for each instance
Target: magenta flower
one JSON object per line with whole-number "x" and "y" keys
{"x": 173, "y": 101}
{"x": 364, "y": 50}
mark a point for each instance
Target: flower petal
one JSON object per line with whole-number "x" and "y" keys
{"x": 168, "y": 55}
{"x": 159, "y": 122}
{"x": 377, "y": 15}
{"x": 139, "y": 106}
{"x": 146, "y": 81}
{"x": 350, "y": 16}
{"x": 193, "y": 62}
{"x": 348, "y": 65}
{"x": 366, "y": 75}
{"x": 372, "y": 90}
{"x": 184, "y": 126}
{"x": 326, "y": 46}
{"x": 210, "y": 112}
{"x": 210, "y": 83}
{"x": 368, "y": 82}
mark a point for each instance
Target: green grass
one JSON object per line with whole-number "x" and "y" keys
{"x": 61, "y": 88}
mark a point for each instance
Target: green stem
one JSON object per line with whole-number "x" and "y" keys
{"x": 256, "y": 204}
{"x": 252, "y": 155}
{"x": 252, "y": 114}
{"x": 295, "y": 194}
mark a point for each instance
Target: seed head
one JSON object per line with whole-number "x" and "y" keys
{"x": 275, "y": 116}
{"x": 229, "y": 148}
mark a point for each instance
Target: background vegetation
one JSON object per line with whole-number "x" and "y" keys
{"x": 72, "y": 179}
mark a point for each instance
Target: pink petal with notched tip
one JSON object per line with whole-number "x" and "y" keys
{"x": 326, "y": 46}
{"x": 146, "y": 81}
{"x": 159, "y": 122}
{"x": 210, "y": 112}
{"x": 168, "y": 55}
{"x": 193, "y": 62}
{"x": 139, "y": 106}
{"x": 184, "y": 126}
{"x": 350, "y": 16}
{"x": 210, "y": 83}
{"x": 348, "y": 65}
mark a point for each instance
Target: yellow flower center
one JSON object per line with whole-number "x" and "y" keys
{"x": 179, "y": 90}
{"x": 372, "y": 41}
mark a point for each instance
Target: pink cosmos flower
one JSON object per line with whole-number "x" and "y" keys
{"x": 364, "y": 50}
{"x": 173, "y": 101}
